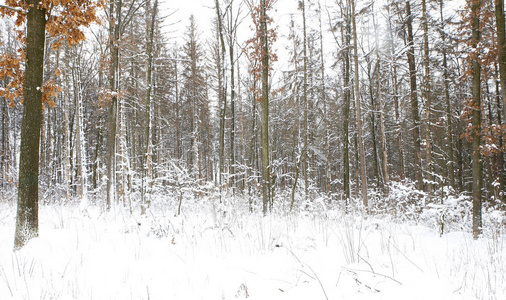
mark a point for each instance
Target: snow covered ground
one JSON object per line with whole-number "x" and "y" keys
{"x": 222, "y": 251}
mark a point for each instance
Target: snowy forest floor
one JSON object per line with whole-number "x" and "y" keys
{"x": 223, "y": 251}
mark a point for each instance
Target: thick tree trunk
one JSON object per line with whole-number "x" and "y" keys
{"x": 27, "y": 218}
{"x": 115, "y": 6}
{"x": 476, "y": 107}
{"x": 501, "y": 43}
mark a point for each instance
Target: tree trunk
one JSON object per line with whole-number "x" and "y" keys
{"x": 346, "y": 37}
{"x": 363, "y": 174}
{"x": 178, "y": 115}
{"x": 500, "y": 154}
{"x": 222, "y": 95}
{"x": 384, "y": 152}
{"x": 66, "y": 122}
{"x": 231, "y": 41}
{"x": 395, "y": 96}
{"x": 414, "y": 99}
{"x": 328, "y": 175}
{"x": 115, "y": 6}
{"x": 80, "y": 146}
{"x": 373, "y": 125}
{"x": 266, "y": 187}
{"x": 148, "y": 152}
{"x": 304, "y": 158}
{"x": 476, "y": 130}
{"x": 449, "y": 133}
{"x": 428, "y": 99}
{"x": 4, "y": 153}
{"x": 501, "y": 43}
{"x": 27, "y": 218}
{"x": 241, "y": 126}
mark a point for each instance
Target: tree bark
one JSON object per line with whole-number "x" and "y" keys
{"x": 80, "y": 145}
{"x": 222, "y": 95}
{"x": 328, "y": 175}
{"x": 231, "y": 44}
{"x": 500, "y": 154}
{"x": 27, "y": 218}
{"x": 363, "y": 174}
{"x": 266, "y": 187}
{"x": 373, "y": 124}
{"x": 428, "y": 99}
{"x": 148, "y": 150}
{"x": 114, "y": 28}
{"x": 476, "y": 107}
{"x": 501, "y": 43}
{"x": 449, "y": 133}
{"x": 66, "y": 135}
{"x": 4, "y": 153}
{"x": 304, "y": 158}
{"x": 346, "y": 37}
{"x": 386, "y": 177}
{"x": 395, "y": 96}
{"x": 414, "y": 99}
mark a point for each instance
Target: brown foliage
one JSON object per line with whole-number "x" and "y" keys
{"x": 253, "y": 47}
{"x": 64, "y": 20}
{"x": 488, "y": 53}
{"x": 10, "y": 69}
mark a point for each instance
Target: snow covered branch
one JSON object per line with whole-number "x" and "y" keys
{"x": 16, "y": 9}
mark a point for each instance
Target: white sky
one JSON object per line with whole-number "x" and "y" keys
{"x": 182, "y": 9}
{"x": 204, "y": 12}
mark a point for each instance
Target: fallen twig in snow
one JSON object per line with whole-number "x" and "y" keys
{"x": 372, "y": 272}
{"x": 390, "y": 243}
{"x": 308, "y": 266}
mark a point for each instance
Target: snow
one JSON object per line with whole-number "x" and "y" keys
{"x": 222, "y": 251}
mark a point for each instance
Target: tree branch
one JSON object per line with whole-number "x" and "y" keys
{"x": 16, "y": 9}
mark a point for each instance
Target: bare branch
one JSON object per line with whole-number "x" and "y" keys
{"x": 16, "y": 9}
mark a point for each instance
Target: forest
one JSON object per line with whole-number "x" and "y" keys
{"x": 319, "y": 110}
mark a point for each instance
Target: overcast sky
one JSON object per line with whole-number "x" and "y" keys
{"x": 182, "y": 9}
{"x": 204, "y": 12}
